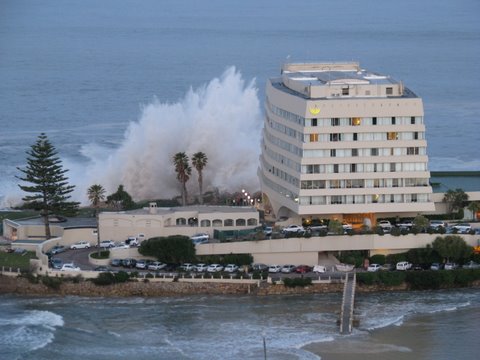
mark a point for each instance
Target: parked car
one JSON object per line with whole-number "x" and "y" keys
{"x": 293, "y": 229}
{"x": 287, "y": 269}
{"x": 450, "y": 266}
{"x": 69, "y": 267}
{"x": 437, "y": 224}
{"x": 319, "y": 269}
{"x": 303, "y": 269}
{"x": 57, "y": 249}
{"x": 131, "y": 241}
{"x": 471, "y": 265}
{"x": 141, "y": 264}
{"x": 56, "y": 263}
{"x": 418, "y": 267}
{"x": 259, "y": 267}
{"x": 187, "y": 267}
{"x": 107, "y": 244}
{"x": 403, "y": 265}
{"x": 373, "y": 267}
{"x": 156, "y": 265}
{"x": 200, "y": 238}
{"x": 274, "y": 268}
{"x": 201, "y": 267}
{"x": 102, "y": 268}
{"x": 129, "y": 263}
{"x": 214, "y": 268}
{"x": 122, "y": 245}
{"x": 387, "y": 267}
{"x": 116, "y": 262}
{"x": 347, "y": 226}
{"x": 405, "y": 224}
{"x": 267, "y": 230}
{"x": 462, "y": 228}
{"x": 231, "y": 268}
{"x": 385, "y": 225}
{"x": 80, "y": 245}
{"x": 436, "y": 266}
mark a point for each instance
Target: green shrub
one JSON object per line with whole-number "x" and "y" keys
{"x": 31, "y": 277}
{"x": 391, "y": 278}
{"x": 52, "y": 282}
{"x": 367, "y": 278}
{"x": 301, "y": 282}
{"x": 121, "y": 277}
{"x": 104, "y": 278}
{"x": 395, "y": 231}
{"x": 377, "y": 259}
{"x": 424, "y": 280}
{"x": 149, "y": 276}
{"x": 104, "y": 254}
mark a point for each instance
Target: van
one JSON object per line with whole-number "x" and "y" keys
{"x": 131, "y": 241}
{"x": 403, "y": 265}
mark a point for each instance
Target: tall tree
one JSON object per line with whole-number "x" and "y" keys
{"x": 120, "y": 200}
{"x": 199, "y": 161}
{"x": 452, "y": 247}
{"x": 474, "y": 207}
{"x": 183, "y": 170}
{"x": 48, "y": 187}
{"x": 96, "y": 194}
{"x": 456, "y": 199}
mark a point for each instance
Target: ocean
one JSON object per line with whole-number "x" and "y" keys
{"x": 119, "y": 86}
{"x": 436, "y": 325}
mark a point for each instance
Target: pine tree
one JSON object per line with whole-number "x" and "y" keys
{"x": 48, "y": 187}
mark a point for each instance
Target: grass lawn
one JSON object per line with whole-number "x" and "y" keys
{"x": 16, "y": 260}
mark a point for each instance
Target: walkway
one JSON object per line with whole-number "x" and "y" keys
{"x": 346, "y": 315}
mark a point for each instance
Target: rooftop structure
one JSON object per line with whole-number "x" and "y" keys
{"x": 343, "y": 142}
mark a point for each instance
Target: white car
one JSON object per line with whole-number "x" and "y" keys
{"x": 293, "y": 229}
{"x": 403, "y": 265}
{"x": 274, "y": 268}
{"x": 122, "y": 245}
{"x": 450, "y": 266}
{"x": 347, "y": 226}
{"x": 201, "y": 238}
{"x": 437, "y": 224}
{"x": 231, "y": 268}
{"x": 319, "y": 269}
{"x": 385, "y": 225}
{"x": 267, "y": 230}
{"x": 69, "y": 267}
{"x": 462, "y": 228}
{"x": 107, "y": 244}
{"x": 141, "y": 264}
{"x": 288, "y": 268}
{"x": 187, "y": 267}
{"x": 201, "y": 267}
{"x": 374, "y": 267}
{"x": 214, "y": 268}
{"x": 80, "y": 245}
{"x": 156, "y": 265}
{"x": 406, "y": 224}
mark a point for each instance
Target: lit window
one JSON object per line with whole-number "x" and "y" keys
{"x": 356, "y": 121}
{"x": 393, "y": 135}
{"x": 313, "y": 137}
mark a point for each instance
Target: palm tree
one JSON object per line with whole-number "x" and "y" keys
{"x": 96, "y": 194}
{"x": 474, "y": 207}
{"x": 183, "y": 170}
{"x": 199, "y": 160}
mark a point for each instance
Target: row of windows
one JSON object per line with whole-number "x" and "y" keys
{"x": 287, "y": 115}
{"x": 363, "y": 199}
{"x": 285, "y": 129}
{"x": 362, "y": 168}
{"x": 366, "y": 121}
{"x": 411, "y": 150}
{"x": 279, "y": 158}
{"x": 219, "y": 222}
{"x": 362, "y": 183}
{"x": 278, "y": 188}
{"x": 284, "y": 145}
{"x": 377, "y": 136}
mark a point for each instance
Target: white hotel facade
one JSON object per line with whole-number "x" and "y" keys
{"x": 342, "y": 142}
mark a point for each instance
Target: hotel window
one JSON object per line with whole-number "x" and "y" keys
{"x": 353, "y": 168}
{"x": 389, "y": 91}
{"x": 335, "y": 137}
{"x": 392, "y": 167}
{"x": 335, "y": 122}
{"x": 374, "y": 151}
{"x": 355, "y": 136}
{"x": 395, "y": 182}
{"x": 354, "y": 152}
{"x": 334, "y": 184}
{"x": 375, "y": 198}
{"x": 415, "y": 135}
{"x": 337, "y": 199}
{"x": 414, "y": 197}
{"x": 313, "y": 137}
{"x": 374, "y": 121}
{"x": 394, "y": 120}
{"x": 333, "y": 153}
{"x": 335, "y": 168}
{"x": 412, "y": 120}
{"x": 356, "y": 121}
{"x": 412, "y": 151}
{"x": 314, "y": 122}
{"x": 345, "y": 91}
{"x": 392, "y": 135}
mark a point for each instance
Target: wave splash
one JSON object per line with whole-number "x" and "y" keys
{"x": 221, "y": 119}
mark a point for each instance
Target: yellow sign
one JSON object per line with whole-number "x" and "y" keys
{"x": 315, "y": 110}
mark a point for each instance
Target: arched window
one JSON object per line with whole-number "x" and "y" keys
{"x": 181, "y": 221}
{"x": 240, "y": 222}
{"x": 252, "y": 222}
{"x": 217, "y": 222}
{"x": 205, "y": 223}
{"x": 228, "y": 222}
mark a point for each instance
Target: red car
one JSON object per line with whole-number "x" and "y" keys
{"x": 302, "y": 269}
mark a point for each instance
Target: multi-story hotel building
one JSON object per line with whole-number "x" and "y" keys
{"x": 343, "y": 142}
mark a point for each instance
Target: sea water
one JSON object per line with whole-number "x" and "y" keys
{"x": 120, "y": 86}
{"x": 443, "y": 324}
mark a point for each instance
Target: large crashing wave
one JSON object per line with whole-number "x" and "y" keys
{"x": 221, "y": 119}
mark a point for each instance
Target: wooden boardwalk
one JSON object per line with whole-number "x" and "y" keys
{"x": 346, "y": 315}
